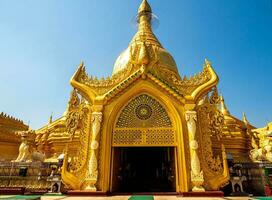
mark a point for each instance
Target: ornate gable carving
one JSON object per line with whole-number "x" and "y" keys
{"x": 183, "y": 85}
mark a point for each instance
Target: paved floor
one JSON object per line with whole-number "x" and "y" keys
{"x": 62, "y": 197}
{"x": 155, "y": 198}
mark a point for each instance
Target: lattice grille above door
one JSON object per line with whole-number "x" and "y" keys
{"x": 143, "y": 111}
{"x": 144, "y": 122}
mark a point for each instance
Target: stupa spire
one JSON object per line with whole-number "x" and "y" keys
{"x": 245, "y": 119}
{"x": 144, "y": 7}
{"x": 223, "y": 107}
{"x": 145, "y": 50}
{"x": 50, "y": 118}
{"x": 144, "y": 19}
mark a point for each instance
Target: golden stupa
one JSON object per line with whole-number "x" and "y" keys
{"x": 146, "y": 128}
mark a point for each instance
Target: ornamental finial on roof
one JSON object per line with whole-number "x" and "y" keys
{"x": 144, "y": 17}
{"x": 207, "y": 63}
{"x": 144, "y": 7}
{"x": 245, "y": 119}
{"x": 50, "y": 118}
{"x": 223, "y": 107}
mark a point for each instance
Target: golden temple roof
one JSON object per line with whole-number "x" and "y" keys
{"x": 145, "y": 58}
{"x": 145, "y": 48}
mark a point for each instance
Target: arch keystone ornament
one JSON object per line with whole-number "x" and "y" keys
{"x": 197, "y": 178}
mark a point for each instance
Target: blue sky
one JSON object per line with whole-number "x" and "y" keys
{"x": 42, "y": 43}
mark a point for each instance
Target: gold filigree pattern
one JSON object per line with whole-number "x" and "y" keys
{"x": 196, "y": 172}
{"x": 77, "y": 162}
{"x": 160, "y": 137}
{"x": 143, "y": 137}
{"x": 214, "y": 98}
{"x": 103, "y": 85}
{"x": 143, "y": 121}
{"x": 125, "y": 137}
{"x": 77, "y": 124}
{"x": 133, "y": 114}
{"x": 73, "y": 116}
{"x": 183, "y": 85}
{"x": 93, "y": 164}
{"x": 211, "y": 121}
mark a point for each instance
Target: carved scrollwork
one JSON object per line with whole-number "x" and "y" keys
{"x": 77, "y": 161}
{"x": 73, "y": 115}
{"x": 103, "y": 85}
{"x": 211, "y": 122}
{"x": 92, "y": 176}
{"x": 214, "y": 98}
{"x": 72, "y": 122}
{"x": 196, "y": 172}
{"x": 77, "y": 124}
{"x": 96, "y": 126}
{"x": 74, "y": 101}
{"x": 183, "y": 85}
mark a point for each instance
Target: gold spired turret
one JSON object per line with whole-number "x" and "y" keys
{"x": 245, "y": 119}
{"x": 145, "y": 32}
{"x": 223, "y": 106}
{"x": 144, "y": 7}
{"x": 145, "y": 48}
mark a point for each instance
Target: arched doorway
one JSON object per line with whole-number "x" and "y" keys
{"x": 143, "y": 148}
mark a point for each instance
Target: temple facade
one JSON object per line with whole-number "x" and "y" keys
{"x": 146, "y": 128}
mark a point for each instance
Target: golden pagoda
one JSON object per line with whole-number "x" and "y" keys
{"x": 144, "y": 111}
{"x": 146, "y": 128}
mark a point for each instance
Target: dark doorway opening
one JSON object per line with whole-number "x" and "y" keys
{"x": 143, "y": 169}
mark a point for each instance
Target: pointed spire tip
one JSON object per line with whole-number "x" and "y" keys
{"x": 144, "y": 7}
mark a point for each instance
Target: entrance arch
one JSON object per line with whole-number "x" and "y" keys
{"x": 144, "y": 148}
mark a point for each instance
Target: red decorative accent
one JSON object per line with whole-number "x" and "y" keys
{"x": 12, "y": 190}
{"x": 267, "y": 191}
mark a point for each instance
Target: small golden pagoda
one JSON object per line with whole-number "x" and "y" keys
{"x": 145, "y": 128}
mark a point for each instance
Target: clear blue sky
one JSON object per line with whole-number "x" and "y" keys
{"x": 42, "y": 42}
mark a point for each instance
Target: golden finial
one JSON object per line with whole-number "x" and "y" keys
{"x": 245, "y": 119}
{"x": 81, "y": 64}
{"x": 144, "y": 7}
{"x": 207, "y": 63}
{"x": 51, "y": 118}
{"x": 223, "y": 107}
{"x": 144, "y": 17}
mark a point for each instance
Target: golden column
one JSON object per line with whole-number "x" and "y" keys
{"x": 94, "y": 144}
{"x": 196, "y": 172}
